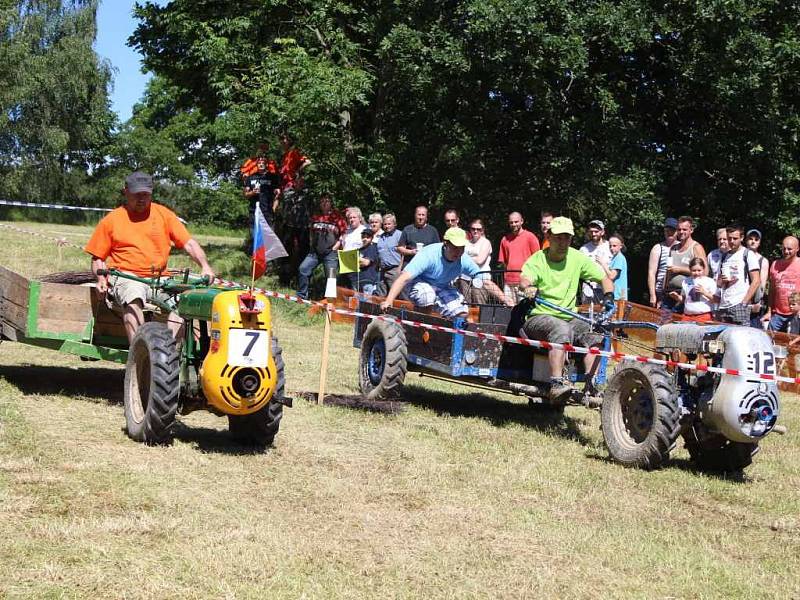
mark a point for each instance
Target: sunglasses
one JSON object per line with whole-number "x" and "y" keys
{"x": 476, "y": 228}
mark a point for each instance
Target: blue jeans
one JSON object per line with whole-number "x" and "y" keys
{"x": 779, "y": 322}
{"x": 310, "y": 262}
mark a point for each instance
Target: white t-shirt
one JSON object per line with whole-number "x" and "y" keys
{"x": 595, "y": 251}
{"x": 599, "y": 253}
{"x": 472, "y": 250}
{"x": 733, "y": 266}
{"x": 695, "y": 303}
{"x": 352, "y": 238}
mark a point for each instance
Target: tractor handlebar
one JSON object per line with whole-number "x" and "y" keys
{"x": 169, "y": 283}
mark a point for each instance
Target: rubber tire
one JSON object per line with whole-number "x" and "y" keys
{"x": 716, "y": 453}
{"x": 395, "y": 365}
{"x": 150, "y": 408}
{"x": 645, "y": 449}
{"x": 261, "y": 427}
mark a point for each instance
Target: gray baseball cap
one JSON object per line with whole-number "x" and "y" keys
{"x": 139, "y": 181}
{"x": 754, "y": 232}
{"x": 597, "y": 223}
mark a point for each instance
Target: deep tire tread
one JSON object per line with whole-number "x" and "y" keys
{"x": 396, "y": 365}
{"x": 162, "y": 405}
{"x": 655, "y": 449}
{"x": 715, "y": 453}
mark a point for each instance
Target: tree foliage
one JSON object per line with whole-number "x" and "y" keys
{"x": 626, "y": 110}
{"x": 54, "y": 113}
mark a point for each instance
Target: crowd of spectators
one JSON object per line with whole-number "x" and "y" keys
{"x": 733, "y": 283}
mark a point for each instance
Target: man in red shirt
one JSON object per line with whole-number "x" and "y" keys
{"x": 135, "y": 238}
{"x": 326, "y": 230}
{"x": 784, "y": 278}
{"x": 515, "y": 248}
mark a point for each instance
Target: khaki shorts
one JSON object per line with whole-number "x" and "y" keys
{"x": 124, "y": 291}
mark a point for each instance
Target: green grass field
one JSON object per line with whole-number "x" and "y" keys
{"x": 457, "y": 494}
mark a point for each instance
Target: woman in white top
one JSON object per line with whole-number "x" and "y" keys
{"x": 698, "y": 293}
{"x": 479, "y": 249}
{"x": 351, "y": 240}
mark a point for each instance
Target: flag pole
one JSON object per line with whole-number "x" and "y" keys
{"x": 330, "y": 296}
{"x": 253, "y": 275}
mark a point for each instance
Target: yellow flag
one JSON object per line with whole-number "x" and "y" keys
{"x": 348, "y": 261}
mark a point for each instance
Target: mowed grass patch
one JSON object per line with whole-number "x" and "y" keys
{"x": 460, "y": 494}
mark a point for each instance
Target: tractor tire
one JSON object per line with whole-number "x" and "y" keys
{"x": 640, "y": 416}
{"x": 151, "y": 385}
{"x": 261, "y": 427}
{"x": 714, "y": 452}
{"x": 383, "y": 362}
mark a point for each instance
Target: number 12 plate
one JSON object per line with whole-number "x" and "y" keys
{"x": 248, "y": 348}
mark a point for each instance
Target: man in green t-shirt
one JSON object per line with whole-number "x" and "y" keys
{"x": 554, "y": 274}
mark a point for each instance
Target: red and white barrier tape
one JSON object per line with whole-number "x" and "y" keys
{"x": 59, "y": 241}
{"x": 62, "y": 207}
{"x": 617, "y": 356}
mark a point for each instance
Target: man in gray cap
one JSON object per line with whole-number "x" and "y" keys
{"x": 753, "y": 242}
{"x": 135, "y": 238}
{"x": 596, "y": 248}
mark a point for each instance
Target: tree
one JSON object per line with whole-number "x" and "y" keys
{"x": 626, "y": 111}
{"x": 54, "y": 99}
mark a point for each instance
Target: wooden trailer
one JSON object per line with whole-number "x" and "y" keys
{"x": 59, "y": 316}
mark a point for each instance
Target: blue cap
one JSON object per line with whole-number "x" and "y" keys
{"x": 671, "y": 222}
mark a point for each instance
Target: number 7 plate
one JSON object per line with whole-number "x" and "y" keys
{"x": 248, "y": 348}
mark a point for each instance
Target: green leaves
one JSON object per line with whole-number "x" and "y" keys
{"x": 54, "y": 99}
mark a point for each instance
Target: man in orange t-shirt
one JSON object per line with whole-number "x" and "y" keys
{"x": 136, "y": 238}
{"x": 292, "y": 163}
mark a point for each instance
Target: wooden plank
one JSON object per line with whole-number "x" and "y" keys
{"x": 107, "y": 323}
{"x": 14, "y": 315}
{"x": 14, "y": 291}
{"x": 60, "y": 301}
{"x": 426, "y": 343}
{"x": 7, "y": 332}
{"x": 487, "y": 351}
{"x": 14, "y": 286}
{"x": 45, "y": 326}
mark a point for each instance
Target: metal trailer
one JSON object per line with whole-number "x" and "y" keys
{"x": 645, "y": 408}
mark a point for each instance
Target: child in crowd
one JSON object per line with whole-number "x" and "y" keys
{"x": 698, "y": 293}
{"x": 617, "y": 269}
{"x": 367, "y": 277}
{"x": 794, "y": 323}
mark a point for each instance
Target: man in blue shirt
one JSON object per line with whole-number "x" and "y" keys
{"x": 428, "y": 278}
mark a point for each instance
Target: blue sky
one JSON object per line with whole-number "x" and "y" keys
{"x": 115, "y": 23}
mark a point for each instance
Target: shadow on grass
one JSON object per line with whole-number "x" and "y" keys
{"x": 682, "y": 464}
{"x": 496, "y": 411}
{"x": 98, "y": 384}
{"x": 215, "y": 441}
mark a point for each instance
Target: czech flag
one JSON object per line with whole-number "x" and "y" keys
{"x": 266, "y": 245}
